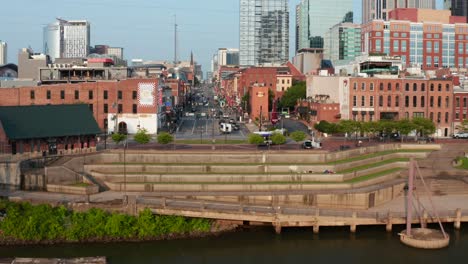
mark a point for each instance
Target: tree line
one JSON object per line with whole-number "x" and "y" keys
{"x": 420, "y": 126}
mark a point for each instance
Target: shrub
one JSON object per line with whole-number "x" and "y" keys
{"x": 165, "y": 138}
{"x": 142, "y": 136}
{"x": 298, "y": 136}
{"x": 255, "y": 139}
{"x": 278, "y": 139}
{"x": 117, "y": 138}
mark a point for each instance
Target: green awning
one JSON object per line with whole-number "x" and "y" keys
{"x": 47, "y": 121}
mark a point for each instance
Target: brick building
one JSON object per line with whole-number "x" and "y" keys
{"x": 443, "y": 42}
{"x": 373, "y": 99}
{"x": 460, "y": 106}
{"x": 125, "y": 105}
{"x": 259, "y": 102}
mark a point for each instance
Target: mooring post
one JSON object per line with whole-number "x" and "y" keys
{"x": 278, "y": 227}
{"x": 316, "y": 228}
{"x": 458, "y": 215}
{"x": 389, "y": 225}
{"x": 317, "y": 216}
{"x": 353, "y": 223}
{"x": 424, "y": 219}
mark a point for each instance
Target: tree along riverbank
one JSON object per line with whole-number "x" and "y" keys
{"x": 24, "y": 223}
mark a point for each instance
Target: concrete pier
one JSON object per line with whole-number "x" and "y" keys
{"x": 458, "y": 216}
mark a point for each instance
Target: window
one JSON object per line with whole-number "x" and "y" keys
{"x": 432, "y": 87}
{"x": 397, "y": 101}
{"x": 407, "y": 87}
{"x": 363, "y": 86}
{"x": 457, "y": 115}
{"x": 371, "y": 101}
{"x": 389, "y": 101}
{"x": 355, "y": 86}
{"x": 423, "y": 87}
{"x": 62, "y": 94}
{"x": 77, "y": 95}
{"x": 447, "y": 101}
{"x": 106, "y": 123}
{"x": 415, "y": 101}
{"x": 363, "y": 101}
{"x": 418, "y": 114}
{"x": 439, "y": 87}
{"x": 381, "y": 87}
{"x": 119, "y": 108}
{"x": 406, "y": 101}
{"x": 436, "y": 46}
{"x": 423, "y": 101}
{"x": 91, "y": 107}
{"x": 381, "y": 101}
{"x": 134, "y": 108}
{"x": 439, "y": 101}
{"x": 397, "y": 87}
{"x": 90, "y": 94}
{"x": 32, "y": 94}
{"x": 460, "y": 48}
{"x": 371, "y": 86}
{"x": 447, "y": 87}
{"x": 457, "y": 102}
{"x": 106, "y": 108}
{"x": 389, "y": 87}
{"x": 403, "y": 46}
{"x": 354, "y": 101}
{"x": 395, "y": 46}
{"x": 119, "y": 95}
{"x": 429, "y": 47}
{"x": 446, "y": 117}
{"x": 48, "y": 95}
{"x": 431, "y": 101}
{"x": 415, "y": 87}
{"x": 439, "y": 116}
{"x": 106, "y": 95}
{"x": 431, "y": 116}
{"x": 134, "y": 94}
{"x": 464, "y": 102}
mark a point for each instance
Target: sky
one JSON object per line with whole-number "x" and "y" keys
{"x": 144, "y": 28}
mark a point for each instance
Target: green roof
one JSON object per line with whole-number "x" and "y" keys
{"x": 47, "y": 121}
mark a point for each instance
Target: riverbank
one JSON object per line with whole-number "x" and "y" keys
{"x": 26, "y": 224}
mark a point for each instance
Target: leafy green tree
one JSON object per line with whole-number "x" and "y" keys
{"x": 405, "y": 126}
{"x": 350, "y": 127}
{"x": 278, "y": 139}
{"x": 326, "y": 127}
{"x": 463, "y": 126}
{"x": 424, "y": 126}
{"x": 370, "y": 128}
{"x": 255, "y": 139}
{"x": 117, "y": 138}
{"x": 298, "y": 136}
{"x": 142, "y": 136}
{"x": 295, "y": 92}
{"x": 246, "y": 102}
{"x": 165, "y": 138}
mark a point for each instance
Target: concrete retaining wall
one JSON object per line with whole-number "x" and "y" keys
{"x": 72, "y": 189}
{"x": 10, "y": 175}
{"x": 62, "y": 175}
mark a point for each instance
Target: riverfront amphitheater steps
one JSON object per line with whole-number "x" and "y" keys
{"x": 439, "y": 163}
{"x": 439, "y": 187}
{"x": 249, "y": 172}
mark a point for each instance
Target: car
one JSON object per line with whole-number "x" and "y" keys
{"x": 460, "y": 135}
{"x": 307, "y": 144}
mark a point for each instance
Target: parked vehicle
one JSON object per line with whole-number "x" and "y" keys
{"x": 225, "y": 128}
{"x": 311, "y": 144}
{"x": 460, "y": 135}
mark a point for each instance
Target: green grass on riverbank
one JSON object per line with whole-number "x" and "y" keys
{"x": 43, "y": 223}
{"x": 464, "y": 165}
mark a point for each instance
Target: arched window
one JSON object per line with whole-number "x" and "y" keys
{"x": 415, "y": 87}
{"x": 423, "y": 87}
{"x": 407, "y": 87}
{"x": 389, "y": 87}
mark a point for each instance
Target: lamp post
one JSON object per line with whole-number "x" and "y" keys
{"x": 125, "y": 165}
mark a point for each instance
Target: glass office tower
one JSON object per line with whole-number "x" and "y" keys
{"x": 264, "y": 32}
{"x": 67, "y": 39}
{"x": 316, "y": 17}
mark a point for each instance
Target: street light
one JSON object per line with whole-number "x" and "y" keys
{"x": 125, "y": 165}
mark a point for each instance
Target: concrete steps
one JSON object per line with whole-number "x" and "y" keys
{"x": 440, "y": 187}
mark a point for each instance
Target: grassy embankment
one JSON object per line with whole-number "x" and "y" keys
{"x": 25, "y": 224}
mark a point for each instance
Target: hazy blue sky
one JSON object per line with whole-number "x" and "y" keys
{"x": 143, "y": 27}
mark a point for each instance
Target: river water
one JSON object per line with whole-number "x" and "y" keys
{"x": 332, "y": 245}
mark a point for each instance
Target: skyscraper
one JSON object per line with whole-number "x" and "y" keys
{"x": 3, "y": 52}
{"x": 378, "y": 9}
{"x": 67, "y": 39}
{"x": 315, "y": 17}
{"x": 264, "y": 32}
{"x": 458, "y": 7}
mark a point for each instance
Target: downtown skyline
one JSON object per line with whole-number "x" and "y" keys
{"x": 145, "y": 30}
